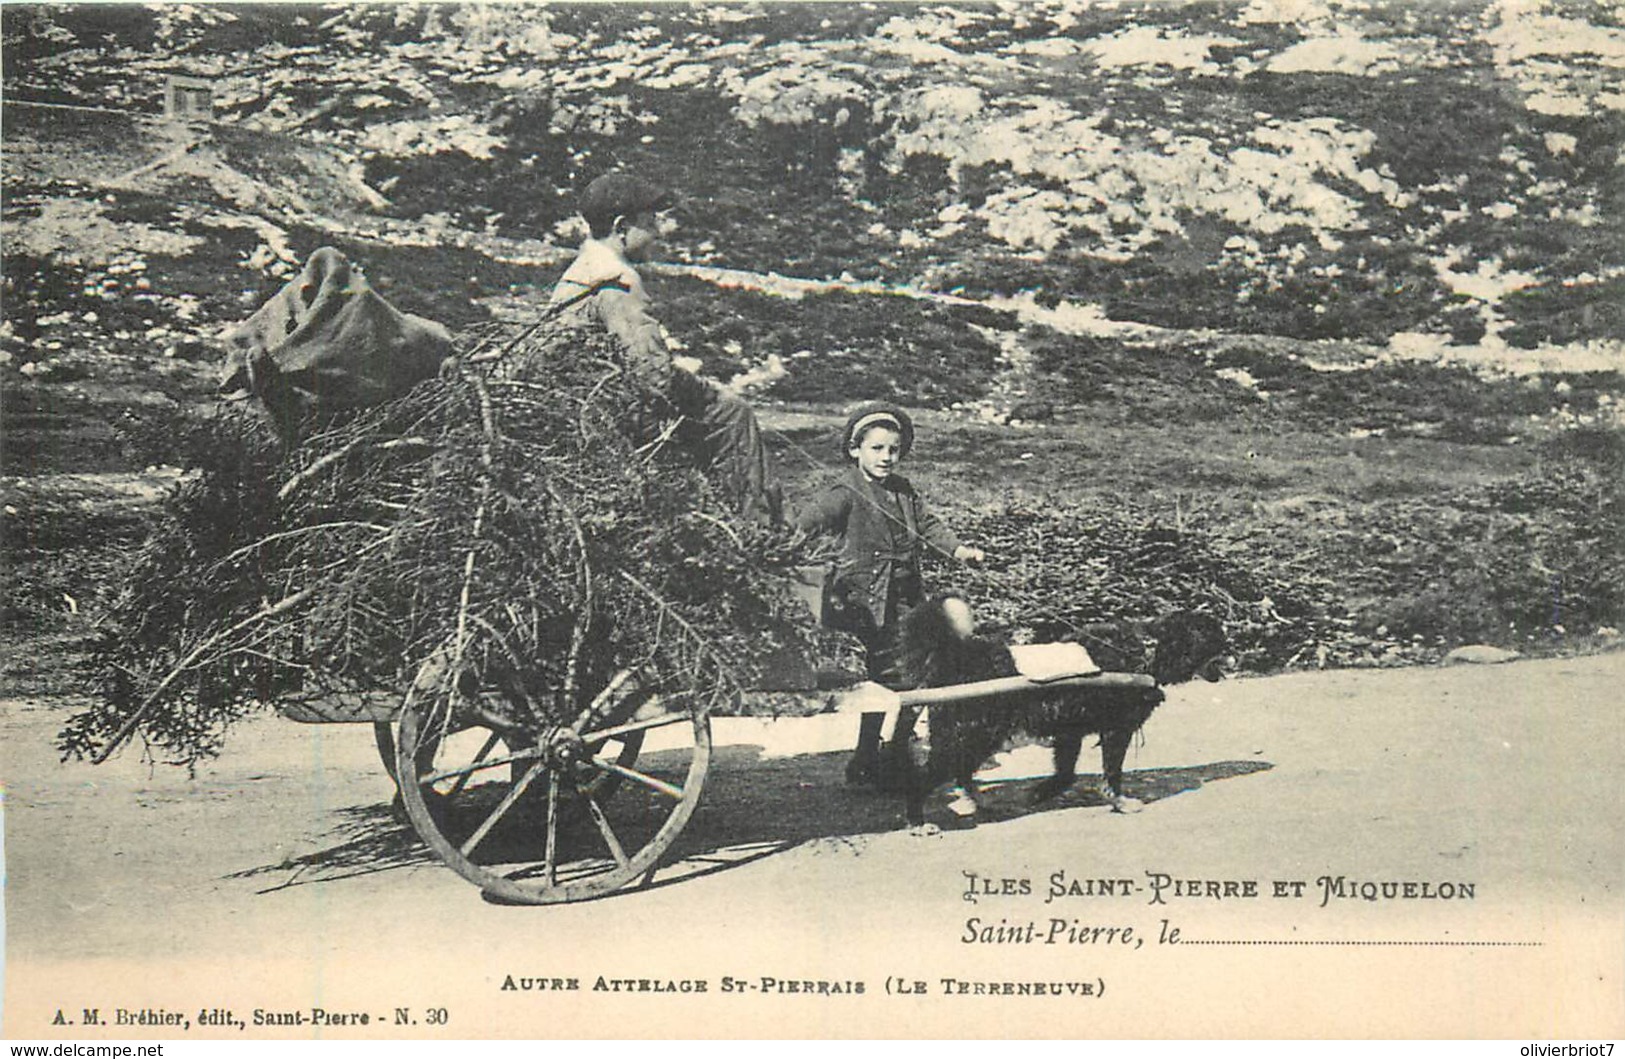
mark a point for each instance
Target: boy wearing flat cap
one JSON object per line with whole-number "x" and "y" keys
{"x": 882, "y": 526}
{"x": 623, "y": 215}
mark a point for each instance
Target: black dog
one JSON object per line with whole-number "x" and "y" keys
{"x": 938, "y": 647}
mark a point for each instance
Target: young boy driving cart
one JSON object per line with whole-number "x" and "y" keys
{"x": 882, "y": 528}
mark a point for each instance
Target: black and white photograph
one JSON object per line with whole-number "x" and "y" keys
{"x": 1083, "y": 519}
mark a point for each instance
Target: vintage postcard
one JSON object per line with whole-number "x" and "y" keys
{"x": 809, "y": 521}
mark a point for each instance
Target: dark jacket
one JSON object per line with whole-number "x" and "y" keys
{"x": 883, "y": 528}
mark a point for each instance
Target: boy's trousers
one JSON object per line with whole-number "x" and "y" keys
{"x": 727, "y": 436}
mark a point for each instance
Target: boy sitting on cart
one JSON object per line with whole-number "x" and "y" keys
{"x": 625, "y": 216}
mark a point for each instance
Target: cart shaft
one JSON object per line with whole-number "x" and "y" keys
{"x": 873, "y": 698}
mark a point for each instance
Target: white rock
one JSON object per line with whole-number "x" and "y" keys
{"x": 1479, "y": 654}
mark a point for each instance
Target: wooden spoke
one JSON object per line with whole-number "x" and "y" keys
{"x": 550, "y": 862}
{"x": 508, "y": 802}
{"x": 463, "y": 772}
{"x": 604, "y": 829}
{"x": 485, "y": 752}
{"x": 644, "y": 725}
{"x": 651, "y": 782}
{"x": 599, "y": 701}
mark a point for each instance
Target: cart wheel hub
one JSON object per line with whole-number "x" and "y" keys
{"x": 564, "y": 747}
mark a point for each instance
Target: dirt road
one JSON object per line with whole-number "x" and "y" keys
{"x": 277, "y": 881}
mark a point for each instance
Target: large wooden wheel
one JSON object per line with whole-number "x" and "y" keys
{"x": 537, "y": 811}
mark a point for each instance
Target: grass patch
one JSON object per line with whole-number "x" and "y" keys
{"x": 838, "y": 347}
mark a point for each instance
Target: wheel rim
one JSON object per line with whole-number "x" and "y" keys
{"x": 539, "y": 814}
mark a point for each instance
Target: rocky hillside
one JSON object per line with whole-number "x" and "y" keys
{"x": 1432, "y": 179}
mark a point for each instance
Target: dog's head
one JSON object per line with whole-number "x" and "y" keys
{"x": 1187, "y": 645}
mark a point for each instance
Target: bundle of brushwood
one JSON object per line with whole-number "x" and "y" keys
{"x": 1058, "y": 567}
{"x": 536, "y": 519}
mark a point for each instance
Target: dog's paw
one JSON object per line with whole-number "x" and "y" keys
{"x": 924, "y": 830}
{"x": 963, "y": 804}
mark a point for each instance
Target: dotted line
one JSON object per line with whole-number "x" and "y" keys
{"x": 1382, "y": 944}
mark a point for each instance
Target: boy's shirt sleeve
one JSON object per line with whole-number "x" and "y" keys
{"x": 826, "y": 512}
{"x": 933, "y": 530}
{"x": 627, "y": 317}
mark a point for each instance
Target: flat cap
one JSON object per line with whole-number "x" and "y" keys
{"x": 621, "y": 195}
{"x": 878, "y": 413}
